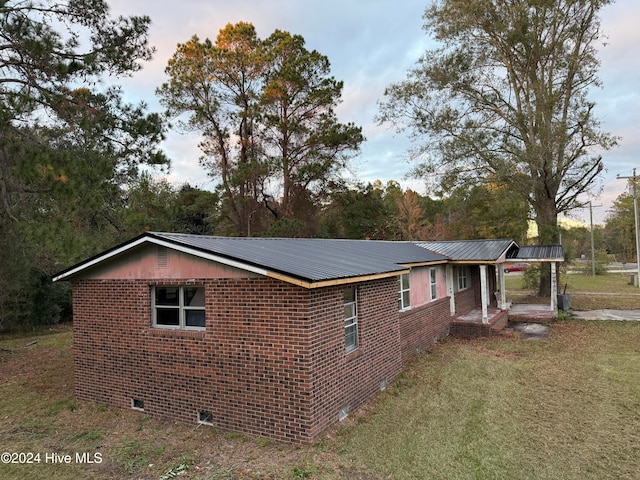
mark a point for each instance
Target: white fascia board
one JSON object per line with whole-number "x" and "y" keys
{"x": 163, "y": 243}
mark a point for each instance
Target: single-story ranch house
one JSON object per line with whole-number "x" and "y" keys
{"x": 273, "y": 337}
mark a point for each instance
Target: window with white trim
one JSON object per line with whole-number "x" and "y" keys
{"x": 462, "y": 278}
{"x": 433, "y": 283}
{"x": 404, "y": 300}
{"x": 179, "y": 308}
{"x": 350, "y": 319}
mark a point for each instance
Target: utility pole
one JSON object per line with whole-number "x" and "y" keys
{"x": 593, "y": 250}
{"x": 635, "y": 219}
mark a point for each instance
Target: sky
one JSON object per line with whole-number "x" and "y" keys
{"x": 370, "y": 45}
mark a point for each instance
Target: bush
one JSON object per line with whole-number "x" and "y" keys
{"x": 531, "y": 278}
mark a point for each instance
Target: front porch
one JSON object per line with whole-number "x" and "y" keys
{"x": 479, "y": 323}
{"x": 477, "y": 289}
{"x": 474, "y": 324}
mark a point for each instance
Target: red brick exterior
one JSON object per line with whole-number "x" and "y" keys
{"x": 465, "y": 301}
{"x": 271, "y": 361}
{"x": 421, "y": 327}
{"x": 461, "y": 329}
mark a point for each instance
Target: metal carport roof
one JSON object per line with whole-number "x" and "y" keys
{"x": 538, "y": 253}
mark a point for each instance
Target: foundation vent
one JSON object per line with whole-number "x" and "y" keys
{"x": 205, "y": 417}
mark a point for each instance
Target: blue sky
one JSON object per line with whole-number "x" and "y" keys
{"x": 371, "y": 44}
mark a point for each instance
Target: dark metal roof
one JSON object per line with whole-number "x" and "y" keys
{"x": 309, "y": 260}
{"x": 470, "y": 250}
{"x": 539, "y": 253}
{"x": 313, "y": 261}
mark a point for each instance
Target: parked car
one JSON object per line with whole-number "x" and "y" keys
{"x": 516, "y": 267}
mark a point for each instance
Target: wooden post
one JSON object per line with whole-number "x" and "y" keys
{"x": 451, "y": 291}
{"x": 483, "y": 293}
{"x": 554, "y": 288}
{"x": 503, "y": 293}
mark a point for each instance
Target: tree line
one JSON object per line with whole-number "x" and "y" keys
{"x": 499, "y": 110}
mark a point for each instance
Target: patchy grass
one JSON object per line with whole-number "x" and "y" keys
{"x": 567, "y": 407}
{"x": 587, "y": 292}
{"x": 38, "y": 414}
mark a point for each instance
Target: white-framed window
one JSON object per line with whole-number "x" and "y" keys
{"x": 178, "y": 308}
{"x": 462, "y": 278}
{"x": 351, "y": 318}
{"x": 433, "y": 283}
{"x": 404, "y": 300}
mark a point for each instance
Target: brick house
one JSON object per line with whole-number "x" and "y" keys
{"x": 272, "y": 337}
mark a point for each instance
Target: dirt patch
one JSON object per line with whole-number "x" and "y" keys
{"x": 531, "y": 331}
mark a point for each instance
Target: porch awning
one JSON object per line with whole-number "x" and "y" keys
{"x": 537, "y": 253}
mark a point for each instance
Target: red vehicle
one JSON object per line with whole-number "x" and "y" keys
{"x": 516, "y": 267}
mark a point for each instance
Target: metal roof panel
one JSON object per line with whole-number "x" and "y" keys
{"x": 538, "y": 252}
{"x": 310, "y": 259}
{"x": 470, "y": 250}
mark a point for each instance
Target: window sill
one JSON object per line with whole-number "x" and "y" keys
{"x": 353, "y": 354}
{"x": 175, "y": 332}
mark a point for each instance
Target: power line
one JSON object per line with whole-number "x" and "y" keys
{"x": 593, "y": 250}
{"x": 635, "y": 219}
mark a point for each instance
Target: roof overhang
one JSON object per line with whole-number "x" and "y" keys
{"x": 72, "y": 272}
{"x": 335, "y": 281}
{"x": 506, "y": 251}
{"x": 474, "y": 262}
{"x": 145, "y": 239}
{"x": 424, "y": 264}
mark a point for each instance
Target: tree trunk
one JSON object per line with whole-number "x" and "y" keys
{"x": 548, "y": 234}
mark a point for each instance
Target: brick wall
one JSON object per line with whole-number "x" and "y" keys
{"x": 348, "y": 380}
{"x": 491, "y": 285}
{"x": 465, "y": 301}
{"x": 421, "y": 327}
{"x": 271, "y": 362}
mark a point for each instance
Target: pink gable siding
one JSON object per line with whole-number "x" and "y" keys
{"x": 420, "y": 283}
{"x": 159, "y": 263}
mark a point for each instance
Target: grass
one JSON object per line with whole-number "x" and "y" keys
{"x": 610, "y": 291}
{"x": 39, "y": 414}
{"x": 567, "y": 407}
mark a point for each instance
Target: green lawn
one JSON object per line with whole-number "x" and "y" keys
{"x": 612, "y": 290}
{"x": 507, "y": 408}
{"x": 564, "y": 408}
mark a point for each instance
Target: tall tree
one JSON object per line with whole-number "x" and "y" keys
{"x": 301, "y": 138}
{"x": 49, "y": 53}
{"x": 67, "y": 143}
{"x": 217, "y": 87}
{"x": 619, "y": 231}
{"x": 486, "y": 211}
{"x": 265, "y": 109}
{"x": 358, "y": 213}
{"x": 506, "y": 94}
{"x": 411, "y": 217}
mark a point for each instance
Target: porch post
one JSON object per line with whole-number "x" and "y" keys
{"x": 503, "y": 293}
{"x": 451, "y": 290}
{"x": 483, "y": 293}
{"x": 554, "y": 288}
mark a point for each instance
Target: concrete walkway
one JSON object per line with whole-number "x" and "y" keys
{"x": 606, "y": 314}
